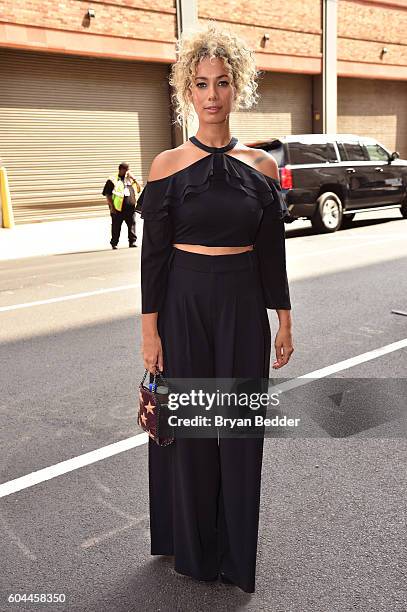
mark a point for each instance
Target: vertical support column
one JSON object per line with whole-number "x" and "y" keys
{"x": 7, "y": 217}
{"x": 187, "y": 18}
{"x": 317, "y": 116}
{"x": 329, "y": 66}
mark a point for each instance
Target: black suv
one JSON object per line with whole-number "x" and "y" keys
{"x": 328, "y": 178}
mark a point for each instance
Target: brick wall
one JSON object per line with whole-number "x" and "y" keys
{"x": 143, "y": 19}
{"x": 364, "y": 28}
{"x": 294, "y": 27}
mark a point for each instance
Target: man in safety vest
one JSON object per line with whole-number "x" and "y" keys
{"x": 121, "y": 197}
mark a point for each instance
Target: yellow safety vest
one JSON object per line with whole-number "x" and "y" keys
{"x": 118, "y": 191}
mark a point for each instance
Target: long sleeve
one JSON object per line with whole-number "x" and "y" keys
{"x": 156, "y": 246}
{"x": 270, "y": 249}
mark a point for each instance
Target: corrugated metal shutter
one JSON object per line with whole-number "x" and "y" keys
{"x": 374, "y": 108}
{"x": 284, "y": 107}
{"x": 67, "y": 122}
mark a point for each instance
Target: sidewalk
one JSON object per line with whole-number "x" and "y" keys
{"x": 56, "y": 237}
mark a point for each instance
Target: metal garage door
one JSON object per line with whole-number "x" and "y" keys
{"x": 284, "y": 107}
{"x": 67, "y": 122}
{"x": 375, "y": 108}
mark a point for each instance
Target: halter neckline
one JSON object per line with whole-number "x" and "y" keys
{"x": 209, "y": 149}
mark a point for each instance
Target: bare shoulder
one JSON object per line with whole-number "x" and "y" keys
{"x": 262, "y": 161}
{"x": 160, "y": 166}
{"x": 170, "y": 161}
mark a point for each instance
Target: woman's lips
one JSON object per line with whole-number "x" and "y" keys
{"x": 212, "y": 109}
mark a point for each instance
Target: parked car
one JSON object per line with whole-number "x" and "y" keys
{"x": 328, "y": 178}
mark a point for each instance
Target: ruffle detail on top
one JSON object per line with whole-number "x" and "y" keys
{"x": 158, "y": 195}
{"x": 152, "y": 204}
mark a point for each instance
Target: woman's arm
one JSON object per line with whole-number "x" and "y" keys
{"x": 270, "y": 249}
{"x": 155, "y": 251}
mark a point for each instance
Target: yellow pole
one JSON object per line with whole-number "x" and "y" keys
{"x": 6, "y": 207}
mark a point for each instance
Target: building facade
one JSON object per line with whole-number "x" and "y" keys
{"x": 85, "y": 86}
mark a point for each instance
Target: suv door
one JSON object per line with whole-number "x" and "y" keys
{"x": 360, "y": 176}
{"x": 388, "y": 183}
{"x": 313, "y": 164}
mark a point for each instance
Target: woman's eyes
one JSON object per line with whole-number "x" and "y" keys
{"x": 198, "y": 84}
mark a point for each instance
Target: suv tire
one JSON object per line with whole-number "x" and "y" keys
{"x": 403, "y": 208}
{"x": 328, "y": 215}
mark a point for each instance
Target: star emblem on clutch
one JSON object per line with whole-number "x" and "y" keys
{"x": 149, "y": 408}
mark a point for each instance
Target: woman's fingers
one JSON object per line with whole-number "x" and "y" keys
{"x": 283, "y": 354}
{"x": 153, "y": 359}
{"x": 280, "y": 356}
{"x": 160, "y": 361}
{"x": 150, "y": 363}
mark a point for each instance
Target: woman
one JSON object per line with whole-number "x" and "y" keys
{"x": 212, "y": 262}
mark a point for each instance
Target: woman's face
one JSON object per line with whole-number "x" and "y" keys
{"x": 212, "y": 91}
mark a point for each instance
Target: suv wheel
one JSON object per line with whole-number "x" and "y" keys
{"x": 328, "y": 215}
{"x": 403, "y": 208}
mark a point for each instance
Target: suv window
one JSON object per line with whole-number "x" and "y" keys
{"x": 277, "y": 151}
{"x": 341, "y": 150}
{"x": 376, "y": 153}
{"x": 355, "y": 152}
{"x": 301, "y": 153}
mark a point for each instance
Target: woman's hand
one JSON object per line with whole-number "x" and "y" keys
{"x": 284, "y": 347}
{"x": 152, "y": 352}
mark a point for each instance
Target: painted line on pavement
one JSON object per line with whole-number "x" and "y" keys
{"x": 341, "y": 365}
{"x": 343, "y": 248}
{"x": 78, "y": 296}
{"x": 64, "y": 298}
{"x": 24, "y": 482}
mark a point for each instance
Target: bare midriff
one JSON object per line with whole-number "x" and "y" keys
{"x": 213, "y": 250}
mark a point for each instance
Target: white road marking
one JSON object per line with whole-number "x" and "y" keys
{"x": 343, "y": 248}
{"x": 24, "y": 482}
{"x": 64, "y": 298}
{"x": 16, "y": 540}
{"x": 117, "y": 510}
{"x": 99, "y": 483}
{"x": 341, "y": 365}
{"x": 75, "y": 463}
{"x": 362, "y": 236}
{"x": 78, "y": 296}
{"x": 94, "y": 541}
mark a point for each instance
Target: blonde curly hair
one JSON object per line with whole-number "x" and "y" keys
{"x": 213, "y": 42}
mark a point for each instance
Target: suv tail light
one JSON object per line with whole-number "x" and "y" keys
{"x": 286, "y": 180}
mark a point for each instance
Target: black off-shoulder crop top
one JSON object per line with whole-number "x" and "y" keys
{"x": 218, "y": 200}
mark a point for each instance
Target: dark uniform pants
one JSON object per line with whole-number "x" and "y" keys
{"x": 205, "y": 492}
{"x": 128, "y": 214}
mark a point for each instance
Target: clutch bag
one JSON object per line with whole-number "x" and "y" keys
{"x": 153, "y": 409}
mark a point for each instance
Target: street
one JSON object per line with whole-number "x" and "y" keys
{"x": 332, "y": 534}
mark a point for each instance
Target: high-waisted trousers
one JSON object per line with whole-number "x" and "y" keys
{"x": 205, "y": 492}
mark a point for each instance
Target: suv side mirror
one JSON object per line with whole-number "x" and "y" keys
{"x": 394, "y": 156}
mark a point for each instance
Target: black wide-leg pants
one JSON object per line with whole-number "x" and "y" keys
{"x": 205, "y": 492}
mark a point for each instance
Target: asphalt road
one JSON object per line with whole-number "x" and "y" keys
{"x": 332, "y": 534}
